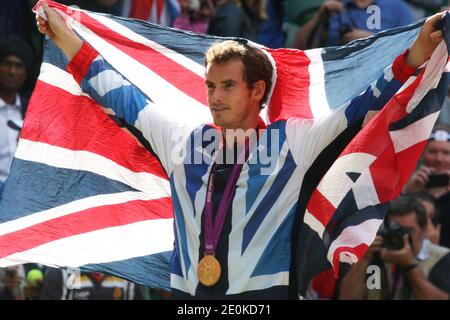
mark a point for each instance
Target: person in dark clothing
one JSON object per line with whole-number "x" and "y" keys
{"x": 271, "y": 32}
{"x": 15, "y": 65}
{"x": 235, "y": 18}
{"x": 410, "y": 266}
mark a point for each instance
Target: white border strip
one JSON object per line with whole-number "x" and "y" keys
{"x": 317, "y": 93}
{"x": 59, "y": 78}
{"x": 74, "y": 207}
{"x": 100, "y": 246}
{"x": 165, "y": 95}
{"x": 313, "y": 223}
{"x": 414, "y": 133}
{"x": 133, "y": 36}
{"x": 354, "y": 236}
{"x": 88, "y": 161}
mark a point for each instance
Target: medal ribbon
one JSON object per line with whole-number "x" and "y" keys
{"x": 213, "y": 229}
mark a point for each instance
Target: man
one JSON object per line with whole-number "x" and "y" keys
{"x": 417, "y": 270}
{"x": 433, "y": 232}
{"x": 433, "y": 177}
{"x": 15, "y": 61}
{"x": 233, "y": 220}
{"x": 339, "y": 22}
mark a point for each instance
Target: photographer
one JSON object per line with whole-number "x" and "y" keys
{"x": 339, "y": 22}
{"x": 12, "y": 283}
{"x": 433, "y": 177}
{"x": 411, "y": 267}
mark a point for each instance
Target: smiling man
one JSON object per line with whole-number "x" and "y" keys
{"x": 232, "y": 222}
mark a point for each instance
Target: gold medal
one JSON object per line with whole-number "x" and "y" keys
{"x": 209, "y": 270}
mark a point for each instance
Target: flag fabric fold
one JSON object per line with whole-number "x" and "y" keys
{"x": 86, "y": 190}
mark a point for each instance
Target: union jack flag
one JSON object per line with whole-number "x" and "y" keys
{"x": 84, "y": 192}
{"x": 161, "y": 12}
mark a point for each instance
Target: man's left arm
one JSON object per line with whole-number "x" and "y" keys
{"x": 422, "y": 288}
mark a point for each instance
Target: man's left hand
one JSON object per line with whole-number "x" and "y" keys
{"x": 428, "y": 39}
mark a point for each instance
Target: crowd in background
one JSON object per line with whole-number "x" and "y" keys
{"x": 421, "y": 215}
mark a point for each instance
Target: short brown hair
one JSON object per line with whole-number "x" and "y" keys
{"x": 407, "y": 204}
{"x": 256, "y": 64}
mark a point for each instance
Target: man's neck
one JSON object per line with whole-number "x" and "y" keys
{"x": 232, "y": 136}
{"x": 8, "y": 97}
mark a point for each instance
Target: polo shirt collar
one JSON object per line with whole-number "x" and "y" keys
{"x": 17, "y": 103}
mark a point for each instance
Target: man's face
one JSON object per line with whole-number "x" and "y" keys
{"x": 12, "y": 73}
{"x": 409, "y": 221}
{"x": 437, "y": 155}
{"x": 232, "y": 103}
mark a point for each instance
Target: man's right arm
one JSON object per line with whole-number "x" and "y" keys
{"x": 353, "y": 285}
{"x": 105, "y": 85}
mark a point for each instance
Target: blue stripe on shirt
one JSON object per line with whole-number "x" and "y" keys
{"x": 110, "y": 89}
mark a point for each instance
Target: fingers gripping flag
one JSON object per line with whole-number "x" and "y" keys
{"x": 84, "y": 192}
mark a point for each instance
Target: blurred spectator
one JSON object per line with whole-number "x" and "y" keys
{"x": 433, "y": 231}
{"x": 194, "y": 16}
{"x": 15, "y": 18}
{"x": 15, "y": 62}
{"x": 236, "y": 18}
{"x": 297, "y": 13}
{"x": 103, "y": 6}
{"x": 59, "y": 284}
{"x": 422, "y": 8}
{"x": 12, "y": 279}
{"x": 339, "y": 22}
{"x": 271, "y": 31}
{"x": 433, "y": 177}
{"x": 411, "y": 267}
{"x": 162, "y": 12}
{"x": 33, "y": 284}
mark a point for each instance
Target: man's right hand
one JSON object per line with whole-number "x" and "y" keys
{"x": 58, "y": 31}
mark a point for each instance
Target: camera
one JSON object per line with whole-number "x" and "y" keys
{"x": 437, "y": 180}
{"x": 393, "y": 234}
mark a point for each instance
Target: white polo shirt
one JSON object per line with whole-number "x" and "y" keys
{"x": 8, "y": 136}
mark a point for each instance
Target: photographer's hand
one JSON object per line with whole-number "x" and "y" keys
{"x": 418, "y": 180}
{"x": 401, "y": 258}
{"x": 374, "y": 248}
